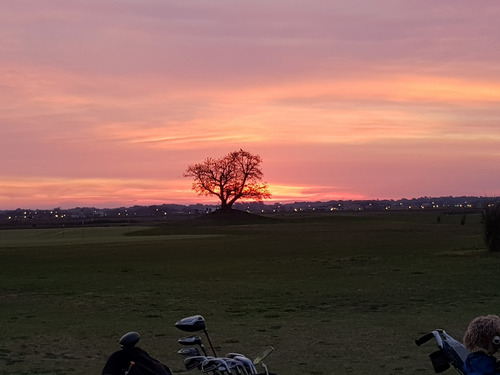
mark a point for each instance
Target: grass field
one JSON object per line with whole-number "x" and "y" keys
{"x": 334, "y": 294}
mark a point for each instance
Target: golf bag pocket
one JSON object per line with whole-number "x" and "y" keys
{"x": 439, "y": 361}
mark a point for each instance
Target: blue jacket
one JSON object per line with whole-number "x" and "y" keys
{"x": 479, "y": 363}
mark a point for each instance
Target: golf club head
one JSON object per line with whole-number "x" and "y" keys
{"x": 232, "y": 355}
{"x": 194, "y": 362}
{"x": 189, "y": 352}
{"x": 129, "y": 340}
{"x": 190, "y": 340}
{"x": 235, "y": 366}
{"x": 263, "y": 355}
{"x": 215, "y": 364}
{"x": 193, "y": 323}
{"x": 247, "y": 363}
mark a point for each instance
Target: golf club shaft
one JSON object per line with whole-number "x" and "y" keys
{"x": 210, "y": 342}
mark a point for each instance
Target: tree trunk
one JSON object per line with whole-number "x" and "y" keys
{"x": 225, "y": 206}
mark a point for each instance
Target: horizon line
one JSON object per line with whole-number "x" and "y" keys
{"x": 269, "y": 203}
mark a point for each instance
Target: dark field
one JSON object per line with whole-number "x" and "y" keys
{"x": 334, "y": 294}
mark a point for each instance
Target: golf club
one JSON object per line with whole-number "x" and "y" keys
{"x": 247, "y": 363}
{"x": 261, "y": 357}
{"x": 235, "y": 365}
{"x": 194, "y": 362}
{"x": 189, "y": 352}
{"x": 195, "y": 323}
{"x": 215, "y": 364}
{"x": 232, "y": 364}
{"x": 192, "y": 340}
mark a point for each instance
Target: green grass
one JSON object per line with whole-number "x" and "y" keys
{"x": 334, "y": 294}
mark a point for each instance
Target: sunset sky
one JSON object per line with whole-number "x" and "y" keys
{"x": 105, "y": 103}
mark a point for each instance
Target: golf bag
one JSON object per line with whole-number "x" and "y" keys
{"x": 131, "y": 360}
{"x": 450, "y": 351}
{"x": 230, "y": 364}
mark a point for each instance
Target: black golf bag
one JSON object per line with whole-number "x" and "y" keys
{"x": 131, "y": 360}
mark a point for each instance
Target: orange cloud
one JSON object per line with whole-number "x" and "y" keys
{"x": 418, "y": 107}
{"x": 311, "y": 193}
{"x": 43, "y": 192}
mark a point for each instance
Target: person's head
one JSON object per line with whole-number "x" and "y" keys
{"x": 483, "y": 334}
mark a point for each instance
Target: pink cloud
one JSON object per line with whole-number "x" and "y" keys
{"x": 106, "y": 101}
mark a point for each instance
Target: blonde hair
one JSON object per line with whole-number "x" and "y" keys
{"x": 481, "y": 331}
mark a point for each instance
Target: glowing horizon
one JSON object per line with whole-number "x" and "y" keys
{"x": 106, "y": 104}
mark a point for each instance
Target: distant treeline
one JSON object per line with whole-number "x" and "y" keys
{"x": 169, "y": 212}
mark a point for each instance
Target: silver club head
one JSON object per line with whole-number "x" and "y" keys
{"x": 216, "y": 365}
{"x": 194, "y": 362}
{"x": 236, "y": 367}
{"x": 232, "y": 355}
{"x": 247, "y": 363}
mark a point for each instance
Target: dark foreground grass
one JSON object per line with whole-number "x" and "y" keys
{"x": 334, "y": 294}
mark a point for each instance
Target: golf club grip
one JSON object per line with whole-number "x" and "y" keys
{"x": 424, "y": 338}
